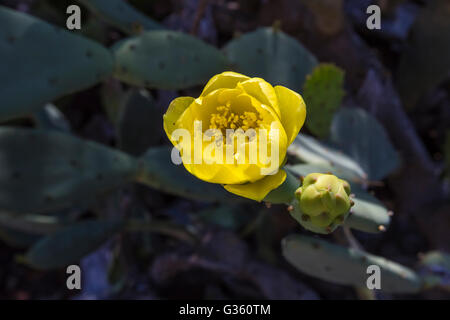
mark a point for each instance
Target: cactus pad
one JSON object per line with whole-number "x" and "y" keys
{"x": 272, "y": 55}
{"x": 70, "y": 244}
{"x": 121, "y": 15}
{"x": 307, "y": 149}
{"x": 43, "y": 63}
{"x": 323, "y": 92}
{"x": 347, "y": 266}
{"x": 166, "y": 60}
{"x": 363, "y": 138}
{"x": 48, "y": 170}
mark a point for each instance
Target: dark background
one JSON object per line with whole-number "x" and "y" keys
{"x": 240, "y": 257}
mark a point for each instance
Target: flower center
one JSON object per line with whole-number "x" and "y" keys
{"x": 226, "y": 119}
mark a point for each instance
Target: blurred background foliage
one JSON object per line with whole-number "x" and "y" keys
{"x": 86, "y": 176}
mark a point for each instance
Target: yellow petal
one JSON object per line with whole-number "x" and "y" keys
{"x": 226, "y": 79}
{"x": 227, "y": 173}
{"x": 258, "y": 190}
{"x": 236, "y": 173}
{"x": 174, "y": 112}
{"x": 224, "y": 173}
{"x": 293, "y": 111}
{"x": 262, "y": 91}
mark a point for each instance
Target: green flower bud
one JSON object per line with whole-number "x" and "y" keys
{"x": 323, "y": 202}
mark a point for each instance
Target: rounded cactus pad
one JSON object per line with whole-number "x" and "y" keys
{"x": 323, "y": 92}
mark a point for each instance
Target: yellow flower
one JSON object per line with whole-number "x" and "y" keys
{"x": 257, "y": 115}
